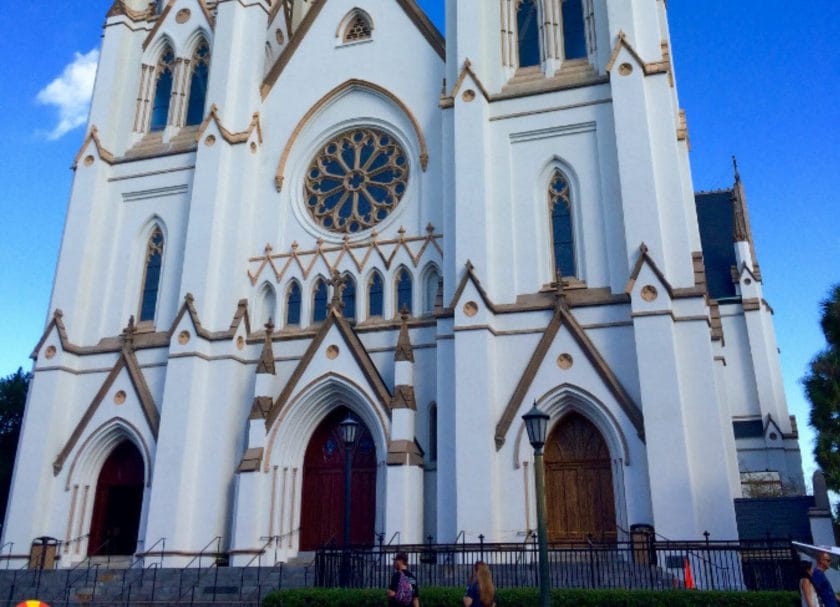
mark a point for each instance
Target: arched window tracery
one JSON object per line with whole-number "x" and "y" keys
{"x": 404, "y": 291}
{"x": 359, "y": 28}
{"x": 163, "y": 89}
{"x": 198, "y": 84}
{"x": 562, "y": 228}
{"x": 266, "y": 306}
{"x": 320, "y": 298}
{"x": 376, "y": 295}
{"x": 431, "y": 284}
{"x": 293, "y": 302}
{"x": 153, "y": 263}
{"x": 348, "y": 298}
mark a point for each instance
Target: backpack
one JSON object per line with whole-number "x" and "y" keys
{"x": 404, "y": 593}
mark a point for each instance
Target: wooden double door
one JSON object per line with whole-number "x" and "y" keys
{"x": 322, "y": 510}
{"x": 118, "y": 502}
{"x": 579, "y": 486}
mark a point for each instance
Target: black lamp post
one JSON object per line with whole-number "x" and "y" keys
{"x": 536, "y": 422}
{"x": 348, "y": 429}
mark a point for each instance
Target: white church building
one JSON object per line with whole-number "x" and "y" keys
{"x": 285, "y": 212}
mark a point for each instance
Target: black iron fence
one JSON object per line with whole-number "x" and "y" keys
{"x": 641, "y": 564}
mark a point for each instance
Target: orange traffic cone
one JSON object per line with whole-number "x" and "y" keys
{"x": 689, "y": 579}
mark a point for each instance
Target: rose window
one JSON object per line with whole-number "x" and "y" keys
{"x": 356, "y": 180}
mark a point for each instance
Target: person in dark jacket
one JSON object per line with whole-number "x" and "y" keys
{"x": 481, "y": 592}
{"x": 401, "y": 569}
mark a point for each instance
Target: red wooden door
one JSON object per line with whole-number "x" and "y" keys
{"x": 322, "y": 510}
{"x": 578, "y": 483}
{"x": 115, "y": 522}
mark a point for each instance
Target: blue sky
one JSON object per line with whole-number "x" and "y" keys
{"x": 758, "y": 78}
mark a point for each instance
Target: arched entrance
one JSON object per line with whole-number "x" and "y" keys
{"x": 116, "y": 507}
{"x": 578, "y": 482}
{"x": 322, "y": 512}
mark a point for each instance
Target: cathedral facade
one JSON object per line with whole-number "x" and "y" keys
{"x": 287, "y": 214}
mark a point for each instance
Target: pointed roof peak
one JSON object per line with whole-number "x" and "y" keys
{"x": 266, "y": 364}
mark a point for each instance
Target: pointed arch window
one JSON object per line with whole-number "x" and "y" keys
{"x": 376, "y": 292}
{"x": 163, "y": 90}
{"x": 151, "y": 275}
{"x": 293, "y": 301}
{"x": 430, "y": 290}
{"x": 348, "y": 298}
{"x": 528, "y": 33}
{"x": 267, "y": 304}
{"x": 562, "y": 231}
{"x": 319, "y": 301}
{"x": 404, "y": 290}
{"x": 359, "y": 28}
{"x": 198, "y": 84}
{"x": 574, "y": 33}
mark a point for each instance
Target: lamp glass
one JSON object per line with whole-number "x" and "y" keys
{"x": 348, "y": 430}
{"x": 536, "y": 422}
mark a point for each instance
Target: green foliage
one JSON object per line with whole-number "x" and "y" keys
{"x": 529, "y": 597}
{"x": 822, "y": 385}
{"x": 13, "y": 390}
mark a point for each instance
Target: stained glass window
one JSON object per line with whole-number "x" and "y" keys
{"x": 163, "y": 90}
{"x": 293, "y": 305}
{"x": 528, "y": 33}
{"x": 348, "y": 298}
{"x": 562, "y": 232}
{"x": 319, "y": 302}
{"x": 430, "y": 291}
{"x": 198, "y": 84}
{"x": 404, "y": 289}
{"x": 574, "y": 36}
{"x": 151, "y": 279}
{"x": 375, "y": 295}
{"x": 356, "y": 180}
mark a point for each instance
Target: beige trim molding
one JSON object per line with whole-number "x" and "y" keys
{"x": 448, "y": 101}
{"x": 279, "y": 176}
{"x": 230, "y": 137}
{"x": 404, "y": 453}
{"x": 564, "y": 317}
{"x": 128, "y": 361}
{"x": 354, "y": 344}
{"x": 663, "y": 66}
{"x": 93, "y": 135}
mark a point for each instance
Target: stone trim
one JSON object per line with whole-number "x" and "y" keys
{"x": 229, "y": 136}
{"x": 127, "y": 360}
{"x": 562, "y": 316}
{"x": 279, "y": 176}
{"x": 251, "y": 460}
{"x": 448, "y": 101}
{"x": 355, "y": 346}
{"x": 93, "y": 135}
{"x": 404, "y": 398}
{"x": 266, "y": 364}
{"x": 261, "y": 407}
{"x": 404, "y": 453}
{"x": 211, "y": 21}
{"x": 404, "y": 351}
{"x": 663, "y": 66}
{"x": 421, "y": 20}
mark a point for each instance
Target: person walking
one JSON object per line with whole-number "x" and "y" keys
{"x": 807, "y": 593}
{"x": 481, "y": 592}
{"x": 821, "y": 583}
{"x": 403, "y": 590}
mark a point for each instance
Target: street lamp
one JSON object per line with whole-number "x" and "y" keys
{"x": 348, "y": 429}
{"x": 536, "y": 422}
{"x": 348, "y": 434}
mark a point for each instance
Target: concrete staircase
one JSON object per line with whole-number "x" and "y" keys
{"x": 231, "y": 586}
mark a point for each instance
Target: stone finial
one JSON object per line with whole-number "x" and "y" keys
{"x": 404, "y": 350}
{"x": 128, "y": 333}
{"x": 266, "y": 364}
{"x": 338, "y": 283}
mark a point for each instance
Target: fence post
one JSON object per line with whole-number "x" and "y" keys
{"x": 591, "y": 561}
{"x": 709, "y": 571}
{"x": 481, "y": 546}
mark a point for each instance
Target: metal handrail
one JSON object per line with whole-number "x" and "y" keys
{"x": 140, "y": 557}
{"x": 391, "y": 541}
{"x": 201, "y": 553}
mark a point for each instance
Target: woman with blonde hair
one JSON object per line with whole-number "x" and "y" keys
{"x": 481, "y": 592}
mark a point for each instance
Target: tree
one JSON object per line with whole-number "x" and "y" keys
{"x": 13, "y": 389}
{"x": 822, "y": 385}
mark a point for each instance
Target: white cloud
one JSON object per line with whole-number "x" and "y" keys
{"x": 71, "y": 93}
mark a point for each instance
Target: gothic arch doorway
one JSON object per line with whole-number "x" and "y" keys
{"x": 578, "y": 482}
{"x": 322, "y": 510}
{"x": 117, "y": 504}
